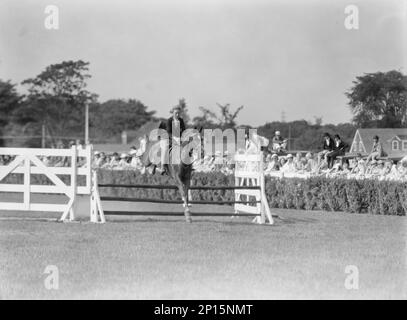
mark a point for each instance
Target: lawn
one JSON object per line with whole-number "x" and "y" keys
{"x": 303, "y": 255}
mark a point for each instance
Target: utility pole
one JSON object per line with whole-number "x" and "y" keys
{"x": 43, "y": 136}
{"x": 289, "y": 137}
{"x": 86, "y": 124}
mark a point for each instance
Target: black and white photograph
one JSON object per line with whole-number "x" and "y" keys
{"x": 215, "y": 152}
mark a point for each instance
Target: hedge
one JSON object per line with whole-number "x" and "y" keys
{"x": 316, "y": 193}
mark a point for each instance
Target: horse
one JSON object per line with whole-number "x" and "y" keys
{"x": 180, "y": 170}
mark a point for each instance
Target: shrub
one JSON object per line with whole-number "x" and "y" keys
{"x": 315, "y": 193}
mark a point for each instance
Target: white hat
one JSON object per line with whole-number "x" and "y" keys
{"x": 278, "y": 133}
{"x": 123, "y": 155}
{"x": 290, "y": 155}
{"x": 96, "y": 153}
{"x": 133, "y": 152}
{"x": 404, "y": 159}
{"x": 274, "y": 155}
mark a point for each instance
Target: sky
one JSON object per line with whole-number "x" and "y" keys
{"x": 288, "y": 56}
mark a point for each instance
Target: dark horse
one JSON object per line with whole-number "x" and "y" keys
{"x": 180, "y": 171}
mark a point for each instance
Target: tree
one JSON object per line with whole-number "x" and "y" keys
{"x": 379, "y": 100}
{"x": 57, "y": 98}
{"x": 112, "y": 117}
{"x": 226, "y": 119}
{"x": 205, "y": 120}
{"x": 9, "y": 101}
{"x": 184, "y": 110}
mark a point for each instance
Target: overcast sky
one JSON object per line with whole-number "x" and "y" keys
{"x": 270, "y": 56}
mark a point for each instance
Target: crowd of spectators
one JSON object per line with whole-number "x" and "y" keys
{"x": 277, "y": 165}
{"x": 313, "y": 165}
{"x": 328, "y": 162}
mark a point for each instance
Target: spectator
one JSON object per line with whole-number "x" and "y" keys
{"x": 345, "y": 169}
{"x": 273, "y": 165}
{"x": 339, "y": 149}
{"x": 289, "y": 166}
{"x": 282, "y": 161}
{"x": 311, "y": 164}
{"x": 279, "y": 144}
{"x": 123, "y": 162}
{"x": 327, "y": 146}
{"x": 96, "y": 157}
{"x": 101, "y": 161}
{"x": 115, "y": 160}
{"x": 377, "y": 150}
{"x": 298, "y": 161}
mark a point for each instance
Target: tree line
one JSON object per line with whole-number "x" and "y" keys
{"x": 56, "y": 100}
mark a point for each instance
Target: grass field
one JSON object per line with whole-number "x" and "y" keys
{"x": 303, "y": 255}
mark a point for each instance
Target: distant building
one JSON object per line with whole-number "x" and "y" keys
{"x": 394, "y": 141}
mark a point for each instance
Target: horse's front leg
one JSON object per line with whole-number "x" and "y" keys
{"x": 184, "y": 197}
{"x": 189, "y": 197}
{"x": 187, "y": 212}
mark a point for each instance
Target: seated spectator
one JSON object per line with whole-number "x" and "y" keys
{"x": 123, "y": 162}
{"x": 339, "y": 149}
{"x": 387, "y": 168}
{"x": 377, "y": 150}
{"x": 311, "y": 165}
{"x": 327, "y": 146}
{"x": 371, "y": 168}
{"x": 96, "y": 157}
{"x": 303, "y": 164}
{"x": 279, "y": 144}
{"x": 114, "y": 162}
{"x": 335, "y": 170}
{"x": 289, "y": 166}
{"x": 359, "y": 169}
{"x": 282, "y": 161}
{"x": 322, "y": 167}
{"x": 298, "y": 161}
{"x": 403, "y": 168}
{"x": 102, "y": 161}
{"x": 345, "y": 169}
{"x": 273, "y": 165}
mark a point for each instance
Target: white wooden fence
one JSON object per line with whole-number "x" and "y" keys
{"x": 28, "y": 161}
{"x": 249, "y": 171}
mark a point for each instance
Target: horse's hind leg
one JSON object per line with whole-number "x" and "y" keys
{"x": 186, "y": 205}
{"x": 187, "y": 214}
{"x": 189, "y": 198}
{"x": 184, "y": 197}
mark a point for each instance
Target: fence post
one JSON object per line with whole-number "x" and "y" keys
{"x": 74, "y": 171}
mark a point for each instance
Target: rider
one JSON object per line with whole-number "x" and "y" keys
{"x": 174, "y": 126}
